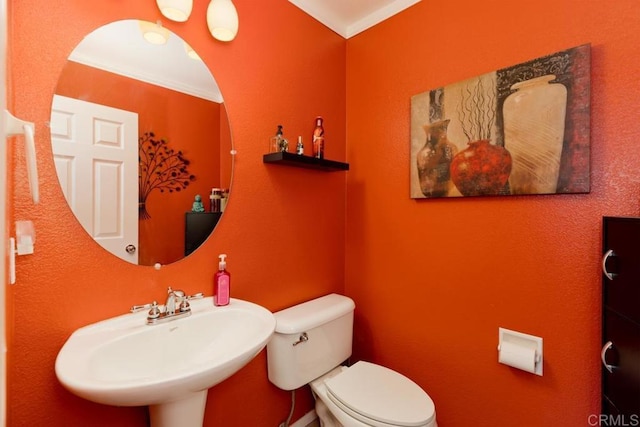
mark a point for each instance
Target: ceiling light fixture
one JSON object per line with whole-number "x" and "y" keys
{"x": 191, "y": 53}
{"x": 222, "y": 19}
{"x": 154, "y": 33}
{"x": 176, "y": 10}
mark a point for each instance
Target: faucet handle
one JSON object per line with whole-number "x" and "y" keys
{"x": 154, "y": 313}
{"x": 184, "y": 304}
{"x": 137, "y": 308}
{"x": 195, "y": 296}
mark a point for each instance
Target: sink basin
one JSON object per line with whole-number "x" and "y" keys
{"x": 125, "y": 362}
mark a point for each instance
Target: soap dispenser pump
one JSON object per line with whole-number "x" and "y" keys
{"x": 222, "y": 283}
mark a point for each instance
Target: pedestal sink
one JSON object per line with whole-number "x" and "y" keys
{"x": 170, "y": 366}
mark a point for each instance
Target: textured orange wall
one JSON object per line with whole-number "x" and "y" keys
{"x": 283, "y": 229}
{"x": 189, "y": 124}
{"x": 434, "y": 279}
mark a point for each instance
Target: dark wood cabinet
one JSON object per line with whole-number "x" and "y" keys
{"x": 197, "y": 228}
{"x": 621, "y": 317}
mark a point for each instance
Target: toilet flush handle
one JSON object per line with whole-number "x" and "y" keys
{"x": 303, "y": 338}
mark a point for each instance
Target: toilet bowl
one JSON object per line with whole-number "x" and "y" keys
{"x": 310, "y": 343}
{"x": 366, "y": 394}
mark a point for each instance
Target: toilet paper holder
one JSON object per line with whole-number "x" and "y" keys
{"x": 522, "y": 351}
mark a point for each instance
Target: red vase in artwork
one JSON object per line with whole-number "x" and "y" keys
{"x": 481, "y": 169}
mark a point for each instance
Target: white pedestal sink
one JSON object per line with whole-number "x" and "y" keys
{"x": 169, "y": 367}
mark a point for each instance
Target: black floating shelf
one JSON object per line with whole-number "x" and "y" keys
{"x": 301, "y": 161}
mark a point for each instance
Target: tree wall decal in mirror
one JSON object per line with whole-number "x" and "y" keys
{"x": 160, "y": 168}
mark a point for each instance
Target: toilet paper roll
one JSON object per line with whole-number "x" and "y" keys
{"x": 517, "y": 355}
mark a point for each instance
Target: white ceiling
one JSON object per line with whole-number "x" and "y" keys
{"x": 350, "y": 17}
{"x": 120, "y": 48}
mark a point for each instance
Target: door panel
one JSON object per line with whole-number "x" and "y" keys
{"x": 95, "y": 149}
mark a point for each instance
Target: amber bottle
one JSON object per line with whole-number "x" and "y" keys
{"x": 318, "y": 139}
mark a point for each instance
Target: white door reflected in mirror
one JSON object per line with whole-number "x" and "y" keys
{"x": 99, "y": 144}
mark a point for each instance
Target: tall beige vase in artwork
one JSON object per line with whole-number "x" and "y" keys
{"x": 534, "y": 132}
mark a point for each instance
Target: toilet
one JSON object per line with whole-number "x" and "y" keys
{"x": 310, "y": 343}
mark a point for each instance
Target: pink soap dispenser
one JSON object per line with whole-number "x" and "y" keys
{"x": 221, "y": 283}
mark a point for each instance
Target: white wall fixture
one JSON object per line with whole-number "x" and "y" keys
{"x": 22, "y": 244}
{"x": 520, "y": 350}
{"x": 176, "y": 10}
{"x": 14, "y": 126}
{"x": 25, "y": 237}
{"x": 222, "y": 19}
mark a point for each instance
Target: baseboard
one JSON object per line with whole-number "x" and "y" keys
{"x": 305, "y": 420}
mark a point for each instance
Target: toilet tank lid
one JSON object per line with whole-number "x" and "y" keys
{"x": 311, "y": 314}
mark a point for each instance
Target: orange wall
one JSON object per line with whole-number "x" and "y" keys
{"x": 283, "y": 229}
{"x": 434, "y": 279}
{"x": 189, "y": 124}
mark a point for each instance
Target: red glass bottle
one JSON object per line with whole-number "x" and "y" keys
{"x": 318, "y": 139}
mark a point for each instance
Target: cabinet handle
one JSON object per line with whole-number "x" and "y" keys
{"x": 606, "y": 256}
{"x": 603, "y": 354}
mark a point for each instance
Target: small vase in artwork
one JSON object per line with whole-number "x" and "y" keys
{"x": 433, "y": 160}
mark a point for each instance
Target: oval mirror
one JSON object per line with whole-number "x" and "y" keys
{"x": 138, "y": 131}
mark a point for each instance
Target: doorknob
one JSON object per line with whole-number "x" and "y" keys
{"x": 131, "y": 249}
{"x": 603, "y": 356}
{"x": 605, "y": 257}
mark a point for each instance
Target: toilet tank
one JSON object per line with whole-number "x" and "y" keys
{"x": 310, "y": 339}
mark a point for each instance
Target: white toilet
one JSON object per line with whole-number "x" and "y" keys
{"x": 311, "y": 340}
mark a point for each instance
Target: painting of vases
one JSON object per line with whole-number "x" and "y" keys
{"x": 520, "y": 130}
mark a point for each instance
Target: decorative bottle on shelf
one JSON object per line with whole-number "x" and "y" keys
{"x": 300, "y": 147}
{"x": 318, "y": 139}
{"x": 274, "y": 141}
{"x": 224, "y": 200}
{"x": 215, "y": 197}
{"x": 278, "y": 142}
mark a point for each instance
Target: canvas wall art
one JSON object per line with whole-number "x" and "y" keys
{"x": 520, "y": 130}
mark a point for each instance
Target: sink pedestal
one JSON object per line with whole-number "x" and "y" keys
{"x": 187, "y": 412}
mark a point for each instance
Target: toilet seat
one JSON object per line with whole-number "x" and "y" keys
{"x": 380, "y": 397}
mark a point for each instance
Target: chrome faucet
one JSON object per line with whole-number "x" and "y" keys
{"x": 174, "y": 301}
{"x": 176, "y": 306}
